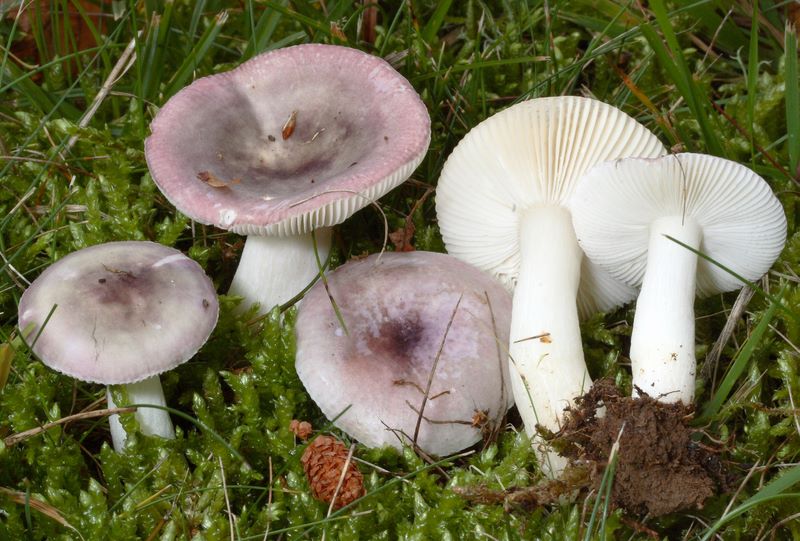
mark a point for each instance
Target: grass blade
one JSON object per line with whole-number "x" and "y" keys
{"x": 263, "y": 31}
{"x": 22, "y": 83}
{"x": 773, "y": 490}
{"x": 741, "y": 362}
{"x": 155, "y": 46}
{"x": 198, "y": 53}
{"x": 436, "y": 20}
{"x": 792, "y": 99}
{"x": 752, "y": 79}
{"x": 671, "y": 57}
{"x": 772, "y": 298}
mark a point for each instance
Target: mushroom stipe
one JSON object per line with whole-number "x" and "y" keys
{"x": 121, "y": 313}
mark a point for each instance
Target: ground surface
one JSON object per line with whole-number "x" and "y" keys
{"x": 78, "y": 91}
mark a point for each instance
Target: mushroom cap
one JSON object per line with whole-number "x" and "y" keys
{"x": 743, "y": 223}
{"x": 532, "y": 154}
{"x": 396, "y": 308}
{"x": 124, "y": 311}
{"x": 218, "y": 149}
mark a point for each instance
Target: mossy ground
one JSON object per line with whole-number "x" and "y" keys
{"x": 718, "y": 77}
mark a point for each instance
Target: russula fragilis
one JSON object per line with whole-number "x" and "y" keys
{"x": 120, "y": 314}
{"x": 291, "y": 142}
{"x": 502, "y": 205}
{"x": 397, "y": 308}
{"x": 623, "y": 213}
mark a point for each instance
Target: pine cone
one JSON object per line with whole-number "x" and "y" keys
{"x": 323, "y": 461}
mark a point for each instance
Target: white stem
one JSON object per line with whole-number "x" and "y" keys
{"x": 547, "y": 373}
{"x": 152, "y": 421}
{"x": 272, "y": 270}
{"x": 662, "y": 343}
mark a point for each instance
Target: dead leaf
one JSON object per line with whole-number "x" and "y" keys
{"x": 43, "y": 507}
{"x": 336, "y": 31}
{"x": 402, "y": 238}
{"x": 212, "y": 180}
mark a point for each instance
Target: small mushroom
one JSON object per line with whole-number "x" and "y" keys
{"x": 289, "y": 139}
{"x": 624, "y": 212}
{"x": 502, "y": 205}
{"x": 371, "y": 377}
{"x": 120, "y": 314}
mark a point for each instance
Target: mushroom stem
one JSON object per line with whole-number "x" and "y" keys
{"x": 152, "y": 421}
{"x": 662, "y": 342}
{"x": 272, "y": 269}
{"x": 546, "y": 350}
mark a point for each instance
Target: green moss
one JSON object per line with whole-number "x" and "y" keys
{"x": 242, "y": 387}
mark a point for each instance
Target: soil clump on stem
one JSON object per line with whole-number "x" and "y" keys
{"x": 660, "y": 468}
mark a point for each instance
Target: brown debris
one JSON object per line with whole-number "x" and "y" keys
{"x": 548, "y": 492}
{"x": 336, "y": 31}
{"x": 402, "y": 237}
{"x": 659, "y": 470}
{"x": 370, "y": 21}
{"x": 323, "y": 461}
{"x": 301, "y": 429}
{"x": 289, "y": 126}
{"x": 214, "y": 181}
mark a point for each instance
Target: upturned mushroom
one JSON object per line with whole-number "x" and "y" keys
{"x": 420, "y": 356}
{"x": 626, "y": 215}
{"x": 502, "y": 204}
{"x": 120, "y": 314}
{"x": 283, "y": 147}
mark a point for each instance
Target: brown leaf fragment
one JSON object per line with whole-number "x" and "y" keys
{"x": 212, "y": 180}
{"x": 44, "y": 508}
{"x": 289, "y": 125}
{"x": 402, "y": 237}
{"x": 336, "y": 31}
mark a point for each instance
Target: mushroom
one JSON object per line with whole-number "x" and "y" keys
{"x": 282, "y": 148}
{"x": 624, "y": 213}
{"x": 120, "y": 314}
{"x": 382, "y": 374}
{"x": 502, "y": 204}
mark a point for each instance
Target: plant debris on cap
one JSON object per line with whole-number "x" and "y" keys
{"x": 371, "y": 377}
{"x": 290, "y": 141}
{"x": 119, "y": 312}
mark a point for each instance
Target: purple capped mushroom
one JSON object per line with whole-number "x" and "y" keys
{"x": 121, "y": 313}
{"x": 283, "y": 147}
{"x": 371, "y": 377}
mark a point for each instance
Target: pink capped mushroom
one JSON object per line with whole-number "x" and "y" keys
{"x": 375, "y": 376}
{"x": 283, "y": 147}
{"x": 121, "y": 313}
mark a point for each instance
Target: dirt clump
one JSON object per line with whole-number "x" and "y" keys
{"x": 660, "y": 469}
